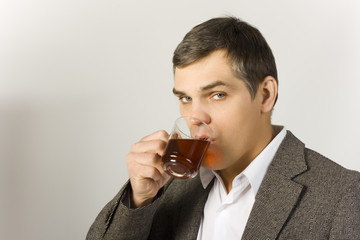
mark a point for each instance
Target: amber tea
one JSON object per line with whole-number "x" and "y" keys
{"x": 182, "y": 157}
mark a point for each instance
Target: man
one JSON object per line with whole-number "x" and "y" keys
{"x": 258, "y": 181}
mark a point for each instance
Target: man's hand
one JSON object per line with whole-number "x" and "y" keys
{"x": 145, "y": 168}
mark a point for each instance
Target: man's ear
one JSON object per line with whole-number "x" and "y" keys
{"x": 268, "y": 89}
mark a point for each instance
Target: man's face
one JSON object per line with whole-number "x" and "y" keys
{"x": 209, "y": 91}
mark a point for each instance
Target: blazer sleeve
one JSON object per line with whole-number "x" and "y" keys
{"x": 346, "y": 224}
{"x": 117, "y": 221}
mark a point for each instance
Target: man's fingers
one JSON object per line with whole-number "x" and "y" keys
{"x": 161, "y": 135}
{"x": 148, "y": 172}
{"x": 149, "y": 146}
{"x": 136, "y": 161}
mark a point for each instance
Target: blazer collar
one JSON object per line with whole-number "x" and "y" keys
{"x": 278, "y": 193}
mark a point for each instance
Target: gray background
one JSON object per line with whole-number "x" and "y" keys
{"x": 80, "y": 81}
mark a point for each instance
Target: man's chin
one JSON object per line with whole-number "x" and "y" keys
{"x": 210, "y": 165}
{"x": 212, "y": 160}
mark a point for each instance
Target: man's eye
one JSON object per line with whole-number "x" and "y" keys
{"x": 218, "y": 96}
{"x": 185, "y": 99}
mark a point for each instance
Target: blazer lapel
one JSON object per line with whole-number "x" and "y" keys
{"x": 278, "y": 193}
{"x": 192, "y": 209}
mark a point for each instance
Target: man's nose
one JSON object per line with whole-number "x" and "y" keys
{"x": 201, "y": 113}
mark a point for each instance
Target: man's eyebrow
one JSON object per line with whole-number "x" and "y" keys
{"x": 203, "y": 89}
{"x": 177, "y": 92}
{"x": 214, "y": 84}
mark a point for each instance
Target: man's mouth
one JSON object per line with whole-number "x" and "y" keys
{"x": 206, "y": 138}
{"x": 203, "y": 137}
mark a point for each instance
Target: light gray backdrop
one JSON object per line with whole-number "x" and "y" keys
{"x": 81, "y": 80}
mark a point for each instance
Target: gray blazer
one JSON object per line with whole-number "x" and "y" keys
{"x": 303, "y": 196}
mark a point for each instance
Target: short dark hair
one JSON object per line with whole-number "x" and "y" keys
{"x": 247, "y": 49}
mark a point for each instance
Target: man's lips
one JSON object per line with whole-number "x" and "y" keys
{"x": 211, "y": 140}
{"x": 205, "y": 138}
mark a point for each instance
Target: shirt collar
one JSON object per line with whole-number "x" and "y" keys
{"x": 257, "y": 169}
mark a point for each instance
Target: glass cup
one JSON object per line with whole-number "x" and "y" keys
{"x": 188, "y": 142}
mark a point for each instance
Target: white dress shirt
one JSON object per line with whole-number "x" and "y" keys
{"x": 225, "y": 215}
